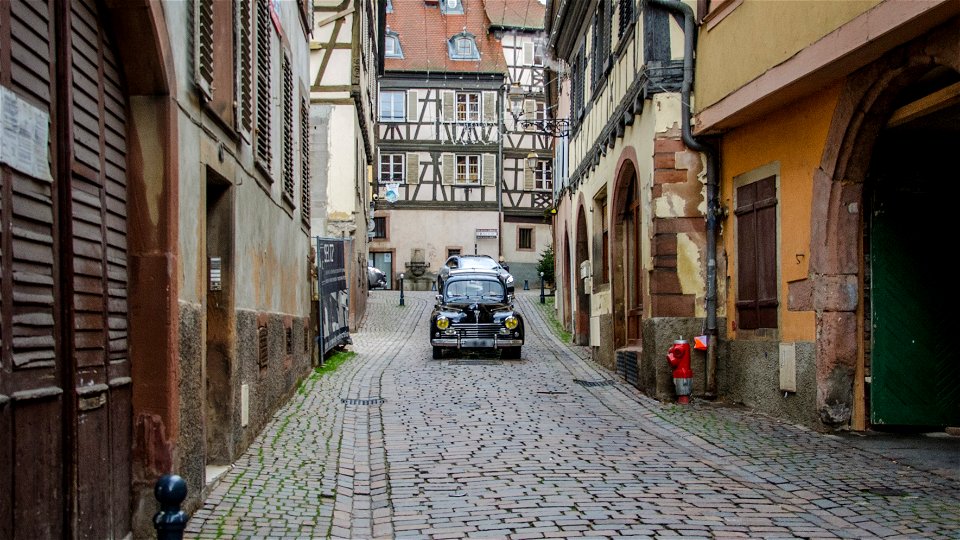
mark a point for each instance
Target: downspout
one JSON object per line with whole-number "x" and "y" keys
{"x": 713, "y": 199}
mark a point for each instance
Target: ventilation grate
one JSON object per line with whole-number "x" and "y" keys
{"x": 590, "y": 384}
{"x": 368, "y": 401}
{"x": 475, "y": 363}
{"x": 884, "y": 491}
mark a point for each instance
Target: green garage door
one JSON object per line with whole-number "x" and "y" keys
{"x": 915, "y": 365}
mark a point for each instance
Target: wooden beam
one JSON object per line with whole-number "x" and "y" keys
{"x": 929, "y": 104}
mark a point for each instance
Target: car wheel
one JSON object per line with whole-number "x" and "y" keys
{"x": 511, "y": 353}
{"x": 437, "y": 353}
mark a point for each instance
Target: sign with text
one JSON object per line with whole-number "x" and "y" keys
{"x": 486, "y": 233}
{"x": 334, "y": 303}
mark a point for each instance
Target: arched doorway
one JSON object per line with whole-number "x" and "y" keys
{"x": 582, "y": 319}
{"x": 566, "y": 259}
{"x": 627, "y": 267}
{"x": 878, "y": 230}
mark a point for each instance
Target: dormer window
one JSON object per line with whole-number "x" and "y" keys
{"x": 389, "y": 6}
{"x": 391, "y": 45}
{"x": 463, "y": 46}
{"x": 451, "y": 7}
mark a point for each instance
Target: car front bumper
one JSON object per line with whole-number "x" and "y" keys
{"x": 476, "y": 343}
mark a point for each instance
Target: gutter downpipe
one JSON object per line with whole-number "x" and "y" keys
{"x": 713, "y": 199}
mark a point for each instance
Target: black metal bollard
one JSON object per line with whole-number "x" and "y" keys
{"x": 401, "y": 289}
{"x": 543, "y": 300}
{"x": 170, "y": 521}
{"x": 526, "y": 285}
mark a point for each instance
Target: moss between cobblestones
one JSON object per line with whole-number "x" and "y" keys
{"x": 551, "y": 315}
{"x": 328, "y": 367}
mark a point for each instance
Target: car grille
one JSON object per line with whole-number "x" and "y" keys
{"x": 484, "y": 330}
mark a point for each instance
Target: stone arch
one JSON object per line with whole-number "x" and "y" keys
{"x": 625, "y": 253}
{"x": 141, "y": 35}
{"x": 866, "y": 103}
{"x": 582, "y": 318}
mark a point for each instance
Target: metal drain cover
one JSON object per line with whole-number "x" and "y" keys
{"x": 588, "y": 384}
{"x": 368, "y": 401}
{"x": 475, "y": 363}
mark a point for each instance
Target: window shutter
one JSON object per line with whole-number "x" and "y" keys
{"x": 305, "y": 156}
{"x": 413, "y": 98}
{"x": 263, "y": 150}
{"x": 490, "y": 107}
{"x": 489, "y": 172}
{"x": 244, "y": 54}
{"x": 528, "y": 53}
{"x": 447, "y": 169}
{"x": 529, "y": 112}
{"x": 287, "y": 82}
{"x": 413, "y": 168}
{"x": 447, "y": 103}
{"x": 756, "y": 255}
{"x": 203, "y": 46}
{"x": 529, "y": 177}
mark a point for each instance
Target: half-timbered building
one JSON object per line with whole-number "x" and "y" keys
{"x": 441, "y": 152}
{"x": 630, "y": 230}
{"x": 344, "y": 63}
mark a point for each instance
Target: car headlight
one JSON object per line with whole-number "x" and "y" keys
{"x": 509, "y": 280}
{"x": 511, "y": 322}
{"x": 443, "y": 323}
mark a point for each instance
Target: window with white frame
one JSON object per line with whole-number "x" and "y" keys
{"x": 468, "y": 169}
{"x": 543, "y": 175}
{"x": 391, "y": 168}
{"x": 538, "y": 54}
{"x": 540, "y": 114}
{"x": 392, "y": 106}
{"x": 463, "y": 46}
{"x": 468, "y": 106}
{"x": 391, "y": 45}
{"x": 451, "y": 7}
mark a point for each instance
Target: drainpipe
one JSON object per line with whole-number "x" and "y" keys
{"x": 713, "y": 198}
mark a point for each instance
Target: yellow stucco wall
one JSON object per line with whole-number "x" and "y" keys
{"x": 794, "y": 137}
{"x": 760, "y": 34}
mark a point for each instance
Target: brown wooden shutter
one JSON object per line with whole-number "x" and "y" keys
{"x": 305, "y": 156}
{"x": 287, "y": 89}
{"x": 264, "y": 150}
{"x": 203, "y": 46}
{"x": 757, "y": 295}
{"x": 244, "y": 59}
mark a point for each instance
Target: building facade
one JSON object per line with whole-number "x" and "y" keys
{"x": 452, "y": 174}
{"x": 629, "y": 227}
{"x": 155, "y": 261}
{"x": 344, "y": 63}
{"x": 828, "y": 119}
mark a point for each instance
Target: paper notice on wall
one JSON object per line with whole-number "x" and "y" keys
{"x": 24, "y": 136}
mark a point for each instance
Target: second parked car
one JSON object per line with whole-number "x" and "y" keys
{"x": 459, "y": 263}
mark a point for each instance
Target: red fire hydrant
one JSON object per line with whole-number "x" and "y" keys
{"x": 679, "y": 357}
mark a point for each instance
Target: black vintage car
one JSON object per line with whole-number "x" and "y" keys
{"x": 475, "y": 311}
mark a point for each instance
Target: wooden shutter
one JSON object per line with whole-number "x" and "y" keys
{"x": 529, "y": 177}
{"x": 448, "y": 113}
{"x": 529, "y": 112}
{"x": 263, "y": 150}
{"x": 447, "y": 168}
{"x": 489, "y": 107}
{"x": 756, "y": 255}
{"x": 413, "y": 99}
{"x": 305, "y": 156}
{"x": 203, "y": 46}
{"x": 244, "y": 59}
{"x": 287, "y": 142}
{"x": 527, "y": 54}
{"x": 489, "y": 173}
{"x": 413, "y": 168}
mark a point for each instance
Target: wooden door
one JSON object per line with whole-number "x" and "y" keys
{"x": 65, "y": 423}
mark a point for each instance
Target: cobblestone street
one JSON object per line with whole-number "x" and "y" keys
{"x": 394, "y": 444}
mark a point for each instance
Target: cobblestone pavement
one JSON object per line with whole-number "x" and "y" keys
{"x": 550, "y": 446}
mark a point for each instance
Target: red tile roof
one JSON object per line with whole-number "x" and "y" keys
{"x": 424, "y": 33}
{"x": 522, "y": 14}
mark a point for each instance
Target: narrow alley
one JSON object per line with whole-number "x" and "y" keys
{"x": 393, "y": 444}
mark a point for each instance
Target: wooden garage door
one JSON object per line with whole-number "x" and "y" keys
{"x": 65, "y": 422}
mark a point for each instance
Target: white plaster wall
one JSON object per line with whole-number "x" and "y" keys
{"x": 342, "y": 172}
{"x": 410, "y": 229}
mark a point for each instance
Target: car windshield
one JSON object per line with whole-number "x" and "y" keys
{"x": 478, "y": 262}
{"x": 474, "y": 289}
